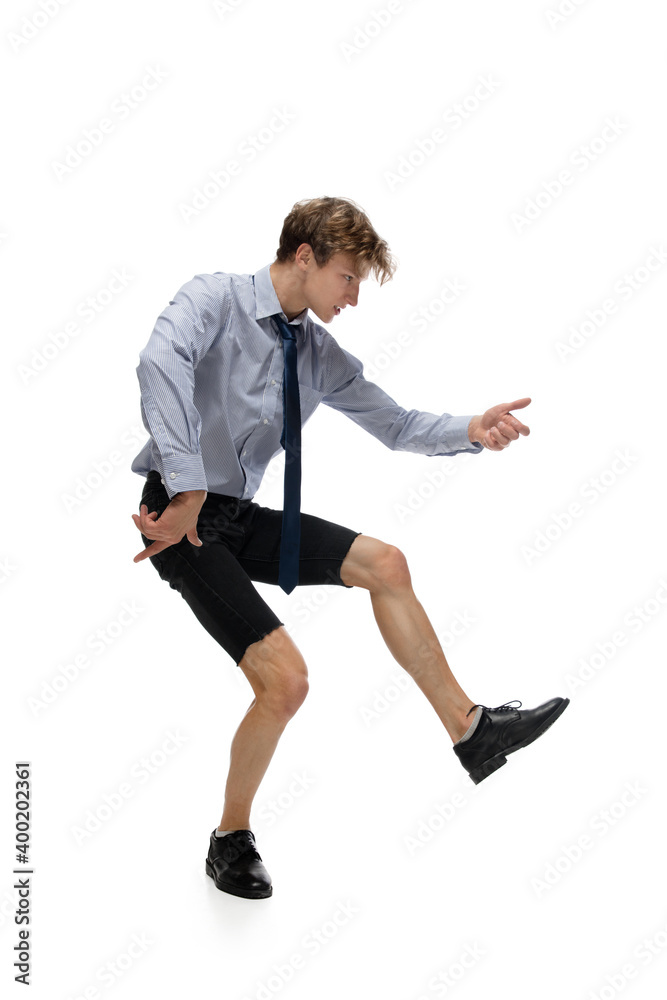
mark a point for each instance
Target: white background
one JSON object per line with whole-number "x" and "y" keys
{"x": 505, "y": 879}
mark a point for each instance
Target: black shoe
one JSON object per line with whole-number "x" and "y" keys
{"x": 235, "y": 865}
{"x": 503, "y": 730}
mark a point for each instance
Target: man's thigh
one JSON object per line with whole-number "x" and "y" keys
{"x": 323, "y": 547}
{"x": 215, "y": 586}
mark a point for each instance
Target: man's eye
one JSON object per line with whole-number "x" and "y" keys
{"x": 349, "y": 276}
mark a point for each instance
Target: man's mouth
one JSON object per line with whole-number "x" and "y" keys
{"x": 337, "y": 310}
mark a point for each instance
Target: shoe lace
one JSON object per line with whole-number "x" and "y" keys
{"x": 506, "y": 707}
{"x": 241, "y": 847}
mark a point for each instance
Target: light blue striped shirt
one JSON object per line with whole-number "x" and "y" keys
{"x": 211, "y": 379}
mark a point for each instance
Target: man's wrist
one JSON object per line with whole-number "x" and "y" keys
{"x": 473, "y": 431}
{"x": 191, "y": 494}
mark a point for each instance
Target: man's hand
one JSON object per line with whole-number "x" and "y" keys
{"x": 496, "y": 428}
{"x": 178, "y": 518}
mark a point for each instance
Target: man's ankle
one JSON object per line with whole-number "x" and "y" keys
{"x": 469, "y": 724}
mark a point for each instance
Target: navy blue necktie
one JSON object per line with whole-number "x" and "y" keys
{"x": 288, "y": 572}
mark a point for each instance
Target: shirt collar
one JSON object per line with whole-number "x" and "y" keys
{"x": 267, "y": 302}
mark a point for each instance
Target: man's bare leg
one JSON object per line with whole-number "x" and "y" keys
{"x": 278, "y": 676}
{"x": 383, "y": 571}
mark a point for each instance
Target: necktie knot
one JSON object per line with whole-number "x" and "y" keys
{"x": 288, "y": 332}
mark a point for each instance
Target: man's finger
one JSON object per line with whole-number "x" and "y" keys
{"x": 193, "y": 537}
{"x": 516, "y": 424}
{"x": 499, "y": 437}
{"x": 518, "y": 404}
{"x": 151, "y": 550}
{"x": 146, "y": 517}
{"x": 491, "y": 441}
{"x": 159, "y": 529}
{"x": 508, "y": 429}
{"x": 143, "y": 519}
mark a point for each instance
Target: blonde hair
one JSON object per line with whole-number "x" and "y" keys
{"x": 335, "y": 225}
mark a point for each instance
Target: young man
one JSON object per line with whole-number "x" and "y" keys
{"x": 233, "y": 368}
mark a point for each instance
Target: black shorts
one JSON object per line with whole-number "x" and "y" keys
{"x": 241, "y": 543}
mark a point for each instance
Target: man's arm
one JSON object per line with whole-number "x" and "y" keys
{"x": 413, "y": 430}
{"x": 373, "y": 409}
{"x": 184, "y": 332}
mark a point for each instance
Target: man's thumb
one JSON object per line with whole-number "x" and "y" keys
{"x": 194, "y": 537}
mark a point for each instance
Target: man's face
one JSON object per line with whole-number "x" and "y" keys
{"x": 329, "y": 289}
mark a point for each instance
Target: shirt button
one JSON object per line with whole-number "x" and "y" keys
{"x": 273, "y": 381}
{"x": 265, "y": 420}
{"x": 172, "y": 475}
{"x": 242, "y": 454}
{"x": 162, "y": 481}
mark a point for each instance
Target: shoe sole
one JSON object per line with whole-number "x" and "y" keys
{"x": 493, "y": 763}
{"x": 235, "y": 890}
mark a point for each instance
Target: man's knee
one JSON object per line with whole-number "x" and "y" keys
{"x": 277, "y": 673}
{"x": 391, "y": 568}
{"x": 376, "y": 565}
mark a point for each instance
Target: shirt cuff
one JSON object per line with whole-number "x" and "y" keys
{"x": 182, "y": 473}
{"x": 457, "y": 435}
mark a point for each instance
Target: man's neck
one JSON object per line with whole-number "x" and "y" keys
{"x": 287, "y": 287}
